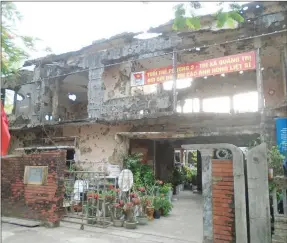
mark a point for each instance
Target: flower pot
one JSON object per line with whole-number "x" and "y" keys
{"x": 91, "y": 220}
{"x": 104, "y": 207}
{"x": 156, "y": 214}
{"x": 130, "y": 225}
{"x": 174, "y": 190}
{"x": 142, "y": 220}
{"x": 150, "y": 212}
{"x": 118, "y": 222}
{"x": 161, "y": 211}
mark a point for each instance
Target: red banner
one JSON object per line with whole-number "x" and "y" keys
{"x": 227, "y": 64}
{"x": 5, "y": 135}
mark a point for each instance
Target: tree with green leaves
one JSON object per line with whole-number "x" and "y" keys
{"x": 12, "y": 52}
{"x": 186, "y": 16}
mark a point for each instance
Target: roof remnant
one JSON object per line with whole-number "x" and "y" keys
{"x": 164, "y": 29}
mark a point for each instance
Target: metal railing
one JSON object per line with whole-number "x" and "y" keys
{"x": 80, "y": 201}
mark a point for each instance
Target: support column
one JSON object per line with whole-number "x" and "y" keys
{"x": 174, "y": 67}
{"x": 258, "y": 195}
{"x": 154, "y": 158}
{"x": 200, "y": 105}
{"x": 159, "y": 88}
{"x": 199, "y": 172}
{"x": 182, "y": 103}
{"x": 14, "y": 101}
{"x": 231, "y": 105}
{"x": 95, "y": 93}
{"x": 260, "y": 88}
{"x": 181, "y": 155}
{"x": 55, "y": 101}
{"x": 206, "y": 156}
{"x": 41, "y": 98}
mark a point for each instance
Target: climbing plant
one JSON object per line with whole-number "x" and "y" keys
{"x": 185, "y": 15}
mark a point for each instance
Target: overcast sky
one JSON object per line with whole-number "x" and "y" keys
{"x": 69, "y": 26}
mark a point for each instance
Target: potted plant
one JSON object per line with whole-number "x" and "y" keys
{"x": 176, "y": 180}
{"x": 150, "y": 210}
{"x": 151, "y": 192}
{"x": 166, "y": 189}
{"x": 130, "y": 222}
{"x": 165, "y": 206}
{"x": 144, "y": 203}
{"x": 90, "y": 207}
{"x": 106, "y": 199}
{"x": 157, "y": 206}
{"x": 117, "y": 214}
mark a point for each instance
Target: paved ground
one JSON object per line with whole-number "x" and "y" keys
{"x": 183, "y": 225}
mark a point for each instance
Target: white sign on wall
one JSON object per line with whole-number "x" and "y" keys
{"x": 137, "y": 79}
{"x": 114, "y": 170}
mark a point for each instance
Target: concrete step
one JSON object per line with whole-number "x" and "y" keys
{"x": 21, "y": 222}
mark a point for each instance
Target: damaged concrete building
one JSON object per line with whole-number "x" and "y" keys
{"x": 84, "y": 101}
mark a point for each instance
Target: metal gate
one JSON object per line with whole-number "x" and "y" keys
{"x": 82, "y": 204}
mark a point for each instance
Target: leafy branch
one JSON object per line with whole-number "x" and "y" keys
{"x": 192, "y": 21}
{"x": 274, "y": 157}
{"x": 13, "y": 54}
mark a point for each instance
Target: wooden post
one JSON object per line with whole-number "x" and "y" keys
{"x": 174, "y": 63}
{"x": 260, "y": 88}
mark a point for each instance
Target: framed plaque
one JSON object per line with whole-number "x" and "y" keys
{"x": 35, "y": 175}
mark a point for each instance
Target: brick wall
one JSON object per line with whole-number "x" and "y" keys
{"x": 41, "y": 202}
{"x": 223, "y": 201}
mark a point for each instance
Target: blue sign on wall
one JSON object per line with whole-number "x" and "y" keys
{"x": 281, "y": 134}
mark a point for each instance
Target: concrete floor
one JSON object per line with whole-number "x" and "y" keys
{"x": 184, "y": 224}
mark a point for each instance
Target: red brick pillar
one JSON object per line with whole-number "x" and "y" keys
{"x": 223, "y": 201}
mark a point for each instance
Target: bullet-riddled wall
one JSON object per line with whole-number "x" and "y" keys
{"x": 98, "y": 143}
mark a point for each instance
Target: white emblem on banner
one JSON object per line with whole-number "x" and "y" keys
{"x": 137, "y": 79}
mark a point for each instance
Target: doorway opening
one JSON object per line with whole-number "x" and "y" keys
{"x": 181, "y": 168}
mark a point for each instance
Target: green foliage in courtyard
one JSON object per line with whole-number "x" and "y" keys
{"x": 143, "y": 173}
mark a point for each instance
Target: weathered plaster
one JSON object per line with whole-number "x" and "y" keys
{"x": 258, "y": 191}
{"x": 206, "y": 156}
{"x": 98, "y": 143}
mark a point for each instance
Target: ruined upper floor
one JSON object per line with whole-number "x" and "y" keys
{"x": 94, "y": 83}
